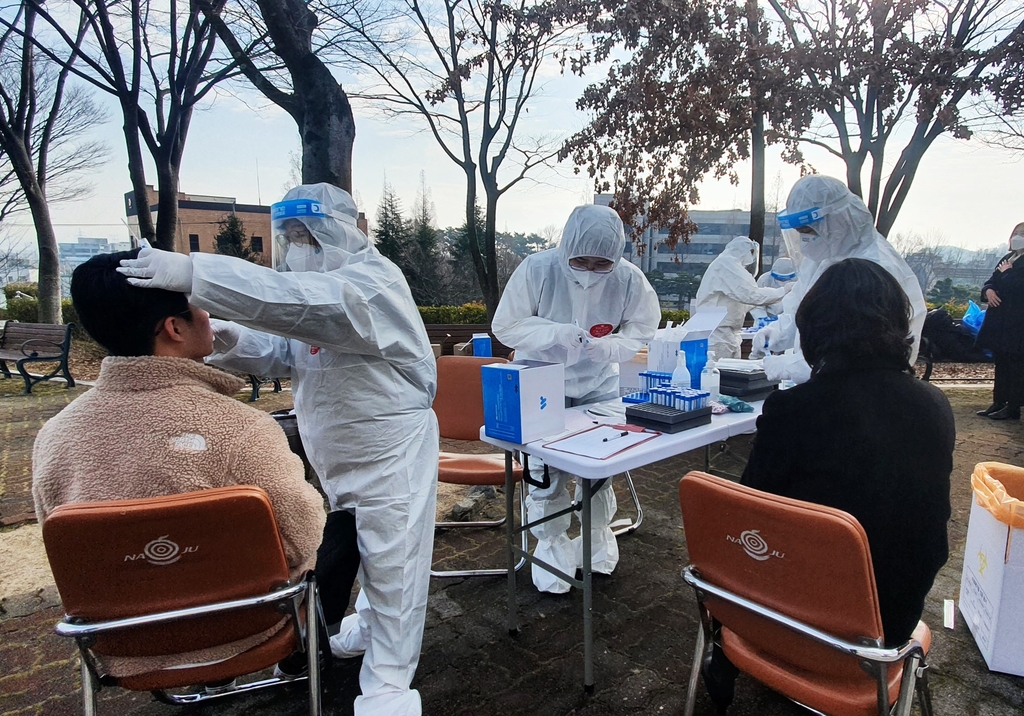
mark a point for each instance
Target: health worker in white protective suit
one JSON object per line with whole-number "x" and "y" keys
{"x": 339, "y": 320}
{"x": 581, "y": 305}
{"x": 728, "y": 284}
{"x": 825, "y": 223}
{"x": 783, "y": 274}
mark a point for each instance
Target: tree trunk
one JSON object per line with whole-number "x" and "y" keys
{"x": 757, "y": 184}
{"x": 490, "y": 290}
{"x": 327, "y": 130}
{"x": 137, "y": 174}
{"x": 167, "y": 207}
{"x": 49, "y": 259}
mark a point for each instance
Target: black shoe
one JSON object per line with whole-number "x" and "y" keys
{"x": 294, "y": 666}
{"x": 719, "y": 676}
{"x": 1007, "y": 413}
{"x": 990, "y": 409}
{"x": 219, "y": 687}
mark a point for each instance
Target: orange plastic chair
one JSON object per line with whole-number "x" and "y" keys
{"x": 459, "y": 406}
{"x": 793, "y": 586}
{"x": 176, "y": 574}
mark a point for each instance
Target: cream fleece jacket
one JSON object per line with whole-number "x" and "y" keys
{"x": 157, "y": 426}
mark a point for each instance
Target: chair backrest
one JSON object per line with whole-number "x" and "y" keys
{"x": 809, "y": 562}
{"x": 459, "y": 402}
{"x": 128, "y": 558}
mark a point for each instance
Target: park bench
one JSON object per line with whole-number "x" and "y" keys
{"x": 26, "y": 343}
{"x": 447, "y": 335}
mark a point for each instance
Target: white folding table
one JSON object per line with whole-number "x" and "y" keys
{"x": 595, "y": 474}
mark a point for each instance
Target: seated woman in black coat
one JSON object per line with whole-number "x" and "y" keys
{"x": 864, "y": 436}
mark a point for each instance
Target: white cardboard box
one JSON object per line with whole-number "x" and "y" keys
{"x": 992, "y": 590}
{"x": 523, "y": 400}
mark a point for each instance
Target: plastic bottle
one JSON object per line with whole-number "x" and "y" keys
{"x": 711, "y": 378}
{"x": 681, "y": 375}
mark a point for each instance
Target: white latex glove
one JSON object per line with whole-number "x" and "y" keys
{"x": 155, "y": 268}
{"x": 600, "y": 350}
{"x": 226, "y": 335}
{"x": 787, "y": 367}
{"x": 571, "y": 336}
{"x": 763, "y": 339}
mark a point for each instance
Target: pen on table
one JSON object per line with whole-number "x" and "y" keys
{"x": 623, "y": 434}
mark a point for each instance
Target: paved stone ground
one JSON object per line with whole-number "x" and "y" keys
{"x": 645, "y": 623}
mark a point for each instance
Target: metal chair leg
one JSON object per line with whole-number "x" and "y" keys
{"x": 698, "y": 660}
{"x": 88, "y": 689}
{"x": 312, "y": 646}
{"x": 523, "y": 538}
{"x": 632, "y": 526}
{"x": 924, "y": 692}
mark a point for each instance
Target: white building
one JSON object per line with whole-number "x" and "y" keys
{"x": 74, "y": 255}
{"x": 715, "y": 229}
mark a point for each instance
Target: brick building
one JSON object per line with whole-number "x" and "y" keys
{"x": 199, "y": 220}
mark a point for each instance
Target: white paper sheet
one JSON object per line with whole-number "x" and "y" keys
{"x": 599, "y": 443}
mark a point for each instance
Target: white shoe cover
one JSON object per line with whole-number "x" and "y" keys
{"x": 351, "y": 641}
{"x": 559, "y": 553}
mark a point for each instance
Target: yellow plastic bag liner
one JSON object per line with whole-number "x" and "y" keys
{"x": 999, "y": 488}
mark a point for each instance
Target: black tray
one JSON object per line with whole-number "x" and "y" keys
{"x": 748, "y": 395}
{"x": 666, "y": 419}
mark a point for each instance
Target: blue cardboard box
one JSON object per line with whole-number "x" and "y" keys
{"x": 523, "y": 400}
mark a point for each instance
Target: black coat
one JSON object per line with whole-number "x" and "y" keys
{"x": 1003, "y": 328}
{"x": 878, "y": 444}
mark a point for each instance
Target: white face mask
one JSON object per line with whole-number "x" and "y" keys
{"x": 304, "y": 257}
{"x": 813, "y": 246}
{"x": 1016, "y": 243}
{"x": 587, "y": 279}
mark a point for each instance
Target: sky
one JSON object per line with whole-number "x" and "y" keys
{"x": 965, "y": 193}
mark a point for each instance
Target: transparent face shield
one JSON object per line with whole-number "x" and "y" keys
{"x": 793, "y": 237}
{"x": 295, "y": 247}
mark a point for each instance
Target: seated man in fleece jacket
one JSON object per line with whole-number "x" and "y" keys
{"x": 160, "y": 422}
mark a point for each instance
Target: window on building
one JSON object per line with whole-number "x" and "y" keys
{"x": 193, "y": 242}
{"x": 256, "y": 243}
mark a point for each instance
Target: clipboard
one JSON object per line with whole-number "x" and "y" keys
{"x": 602, "y": 441}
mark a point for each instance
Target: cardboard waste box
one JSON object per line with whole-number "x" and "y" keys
{"x": 992, "y": 585}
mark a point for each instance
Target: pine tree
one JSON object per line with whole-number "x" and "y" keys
{"x": 232, "y": 241}
{"x": 392, "y": 233}
{"x": 423, "y": 251}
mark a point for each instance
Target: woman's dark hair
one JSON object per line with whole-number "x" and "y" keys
{"x": 855, "y": 313}
{"x": 120, "y": 317}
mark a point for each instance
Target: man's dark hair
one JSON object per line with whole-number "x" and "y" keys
{"x": 120, "y": 317}
{"x": 855, "y": 314}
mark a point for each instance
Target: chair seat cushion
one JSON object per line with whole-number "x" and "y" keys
{"x": 856, "y": 696}
{"x": 463, "y": 469}
{"x": 283, "y": 643}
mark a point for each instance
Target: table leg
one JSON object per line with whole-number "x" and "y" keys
{"x": 510, "y": 487}
{"x": 588, "y": 596}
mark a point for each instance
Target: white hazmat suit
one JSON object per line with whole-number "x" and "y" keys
{"x": 552, "y": 312}
{"x": 339, "y": 320}
{"x": 844, "y": 229}
{"x": 783, "y": 274}
{"x": 728, "y": 284}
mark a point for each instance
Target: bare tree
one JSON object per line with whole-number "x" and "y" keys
{"x": 158, "y": 61}
{"x": 467, "y": 69}
{"x": 877, "y": 68}
{"x": 42, "y": 122}
{"x": 282, "y": 49}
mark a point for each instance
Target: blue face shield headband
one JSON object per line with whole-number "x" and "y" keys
{"x": 296, "y": 209}
{"x": 783, "y": 276}
{"x": 800, "y": 218}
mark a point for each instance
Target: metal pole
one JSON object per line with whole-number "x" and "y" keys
{"x": 588, "y": 597}
{"x": 313, "y": 646}
{"x": 510, "y": 535}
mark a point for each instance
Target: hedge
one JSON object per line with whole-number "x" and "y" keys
{"x": 955, "y": 310}
{"x": 26, "y": 310}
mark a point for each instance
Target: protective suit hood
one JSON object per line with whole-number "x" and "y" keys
{"x": 591, "y": 230}
{"x": 783, "y": 269}
{"x": 329, "y": 213}
{"x": 843, "y": 223}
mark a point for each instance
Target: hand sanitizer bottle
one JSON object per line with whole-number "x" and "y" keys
{"x": 711, "y": 378}
{"x": 681, "y": 375}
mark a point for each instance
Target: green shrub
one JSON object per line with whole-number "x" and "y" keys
{"x": 29, "y": 289}
{"x": 475, "y": 313}
{"x": 676, "y": 316}
{"x": 25, "y": 310}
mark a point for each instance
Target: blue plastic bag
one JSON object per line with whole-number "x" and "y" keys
{"x": 973, "y": 318}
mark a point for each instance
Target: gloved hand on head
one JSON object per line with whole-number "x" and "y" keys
{"x": 226, "y": 335}
{"x": 155, "y": 268}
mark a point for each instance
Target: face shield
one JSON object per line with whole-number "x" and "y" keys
{"x": 800, "y": 229}
{"x": 295, "y": 248}
{"x": 783, "y": 270}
